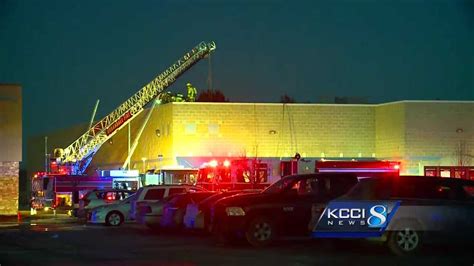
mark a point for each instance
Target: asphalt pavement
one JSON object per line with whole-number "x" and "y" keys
{"x": 63, "y": 240}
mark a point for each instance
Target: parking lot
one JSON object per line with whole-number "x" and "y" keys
{"x": 65, "y": 241}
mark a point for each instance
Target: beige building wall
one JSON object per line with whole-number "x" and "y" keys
{"x": 10, "y": 147}
{"x": 273, "y": 130}
{"x": 390, "y": 130}
{"x": 439, "y": 133}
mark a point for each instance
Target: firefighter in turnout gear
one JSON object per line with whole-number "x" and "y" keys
{"x": 192, "y": 92}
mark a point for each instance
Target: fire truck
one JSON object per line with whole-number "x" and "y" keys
{"x": 360, "y": 168}
{"x": 66, "y": 176}
{"x": 57, "y": 191}
{"x": 233, "y": 174}
{"x": 251, "y": 173}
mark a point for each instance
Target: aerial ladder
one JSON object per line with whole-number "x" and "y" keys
{"x": 74, "y": 159}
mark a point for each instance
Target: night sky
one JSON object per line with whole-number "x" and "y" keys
{"x": 68, "y": 54}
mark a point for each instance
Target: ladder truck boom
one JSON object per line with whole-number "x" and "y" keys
{"x": 78, "y": 155}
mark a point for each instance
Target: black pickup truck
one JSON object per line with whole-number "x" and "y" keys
{"x": 283, "y": 209}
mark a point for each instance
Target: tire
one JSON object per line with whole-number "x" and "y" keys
{"x": 406, "y": 239}
{"x": 114, "y": 218}
{"x": 260, "y": 232}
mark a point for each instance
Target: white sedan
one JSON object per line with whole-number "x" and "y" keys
{"x": 112, "y": 214}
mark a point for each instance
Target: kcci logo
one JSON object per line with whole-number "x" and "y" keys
{"x": 343, "y": 218}
{"x": 378, "y": 216}
{"x": 357, "y": 216}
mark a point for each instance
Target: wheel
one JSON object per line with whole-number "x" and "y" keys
{"x": 114, "y": 218}
{"x": 405, "y": 240}
{"x": 260, "y": 232}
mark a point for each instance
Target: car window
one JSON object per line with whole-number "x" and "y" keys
{"x": 120, "y": 195}
{"x": 424, "y": 189}
{"x": 308, "y": 187}
{"x": 176, "y": 198}
{"x": 280, "y": 185}
{"x": 198, "y": 197}
{"x": 100, "y": 195}
{"x": 337, "y": 186}
{"x": 154, "y": 194}
{"x": 173, "y": 191}
{"x": 370, "y": 189}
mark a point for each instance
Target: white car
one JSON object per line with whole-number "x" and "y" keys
{"x": 111, "y": 214}
{"x": 96, "y": 198}
{"x": 158, "y": 192}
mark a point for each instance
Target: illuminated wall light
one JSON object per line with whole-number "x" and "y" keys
{"x": 226, "y": 163}
{"x": 373, "y": 155}
{"x": 341, "y": 154}
{"x": 303, "y": 155}
{"x": 323, "y": 155}
{"x": 359, "y": 154}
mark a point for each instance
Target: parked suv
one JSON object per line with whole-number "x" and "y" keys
{"x": 283, "y": 209}
{"x": 155, "y": 193}
{"x": 432, "y": 209}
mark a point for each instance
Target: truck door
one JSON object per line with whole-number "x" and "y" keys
{"x": 296, "y": 206}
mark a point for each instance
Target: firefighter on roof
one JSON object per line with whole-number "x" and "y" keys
{"x": 192, "y": 92}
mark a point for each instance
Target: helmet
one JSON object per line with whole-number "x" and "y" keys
{"x": 188, "y": 84}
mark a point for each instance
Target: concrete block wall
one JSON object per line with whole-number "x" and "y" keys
{"x": 273, "y": 130}
{"x": 390, "y": 130}
{"x": 9, "y": 187}
{"x": 435, "y": 131}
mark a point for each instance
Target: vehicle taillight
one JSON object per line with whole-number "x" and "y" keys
{"x": 109, "y": 197}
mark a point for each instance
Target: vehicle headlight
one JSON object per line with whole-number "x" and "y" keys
{"x": 234, "y": 211}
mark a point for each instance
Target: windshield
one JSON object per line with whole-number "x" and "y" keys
{"x": 280, "y": 185}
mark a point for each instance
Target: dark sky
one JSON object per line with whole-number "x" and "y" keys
{"x": 67, "y": 54}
